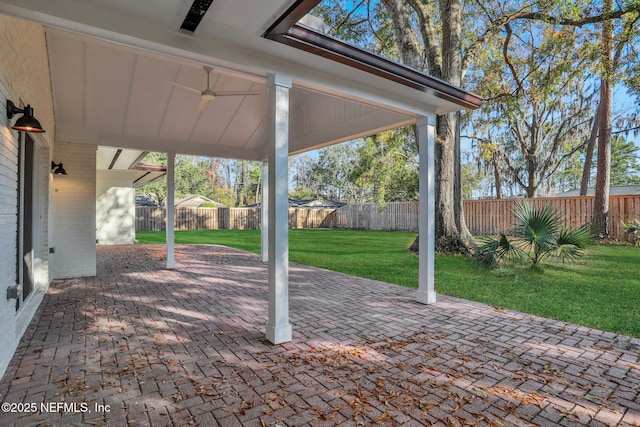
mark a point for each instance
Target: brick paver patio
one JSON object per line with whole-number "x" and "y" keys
{"x": 138, "y": 345}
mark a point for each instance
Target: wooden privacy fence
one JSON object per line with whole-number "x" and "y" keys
{"x": 396, "y": 216}
{"x": 495, "y": 216}
{"x": 482, "y": 216}
{"x": 149, "y": 218}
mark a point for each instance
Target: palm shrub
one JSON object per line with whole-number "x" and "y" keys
{"x": 633, "y": 227}
{"x": 538, "y": 234}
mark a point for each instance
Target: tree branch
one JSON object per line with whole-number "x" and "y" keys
{"x": 505, "y": 54}
{"x": 346, "y": 18}
{"x": 625, "y": 130}
{"x": 555, "y": 20}
{"x": 429, "y": 37}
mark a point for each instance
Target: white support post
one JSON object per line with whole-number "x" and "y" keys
{"x": 170, "y": 220}
{"x": 278, "y": 329}
{"x": 425, "y": 132}
{"x": 264, "y": 213}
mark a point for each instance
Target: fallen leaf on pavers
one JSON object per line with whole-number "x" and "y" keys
{"x": 465, "y": 422}
{"x": 97, "y": 421}
{"x": 385, "y": 417}
{"x": 242, "y": 408}
{"x": 77, "y": 388}
{"x": 206, "y": 391}
{"x": 60, "y": 381}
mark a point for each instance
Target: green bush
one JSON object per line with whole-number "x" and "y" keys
{"x": 538, "y": 234}
{"x": 633, "y": 227}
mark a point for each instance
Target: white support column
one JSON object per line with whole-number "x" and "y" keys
{"x": 278, "y": 329}
{"x": 264, "y": 213}
{"x": 425, "y": 132}
{"x": 170, "y": 220}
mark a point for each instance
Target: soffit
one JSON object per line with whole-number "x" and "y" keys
{"x": 117, "y": 162}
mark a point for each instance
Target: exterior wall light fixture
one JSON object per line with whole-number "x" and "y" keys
{"x": 26, "y": 123}
{"x": 57, "y": 169}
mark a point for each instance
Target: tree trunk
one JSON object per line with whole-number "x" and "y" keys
{"x": 448, "y": 236}
{"x": 465, "y": 234}
{"x": 601, "y": 225}
{"x": 588, "y": 155}
{"x": 414, "y": 246}
{"x": 405, "y": 37}
{"x": 530, "y": 187}
{"x": 452, "y": 234}
{"x": 497, "y": 176}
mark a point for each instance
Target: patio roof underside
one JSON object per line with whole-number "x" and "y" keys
{"x": 111, "y": 64}
{"x": 110, "y": 95}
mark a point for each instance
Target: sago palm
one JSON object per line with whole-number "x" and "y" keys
{"x": 538, "y": 233}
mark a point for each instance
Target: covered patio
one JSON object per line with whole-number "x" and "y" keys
{"x": 141, "y": 345}
{"x": 234, "y": 79}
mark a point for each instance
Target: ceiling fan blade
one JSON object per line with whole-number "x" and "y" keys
{"x": 183, "y": 86}
{"x": 203, "y": 104}
{"x": 237, "y": 93}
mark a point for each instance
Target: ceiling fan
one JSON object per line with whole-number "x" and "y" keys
{"x": 209, "y": 95}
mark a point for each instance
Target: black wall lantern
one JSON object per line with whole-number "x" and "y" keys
{"x": 57, "y": 169}
{"x": 26, "y": 123}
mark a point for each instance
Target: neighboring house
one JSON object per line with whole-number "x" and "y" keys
{"x": 324, "y": 204}
{"x": 614, "y": 190}
{"x": 112, "y": 73}
{"x": 316, "y": 203}
{"x": 195, "y": 200}
{"x": 144, "y": 200}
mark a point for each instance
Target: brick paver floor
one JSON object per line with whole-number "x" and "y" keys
{"x": 139, "y": 345}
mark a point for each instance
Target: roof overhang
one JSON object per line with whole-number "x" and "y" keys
{"x": 110, "y": 61}
{"x": 127, "y": 164}
{"x": 289, "y": 30}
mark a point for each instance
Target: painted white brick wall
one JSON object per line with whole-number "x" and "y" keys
{"x": 24, "y": 78}
{"x": 73, "y": 229}
{"x": 115, "y": 207}
{"x": 116, "y": 216}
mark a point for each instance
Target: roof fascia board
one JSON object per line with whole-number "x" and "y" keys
{"x": 291, "y": 16}
{"x": 286, "y": 31}
{"x": 320, "y": 44}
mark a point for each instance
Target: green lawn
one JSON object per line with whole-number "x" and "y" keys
{"x": 602, "y": 290}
